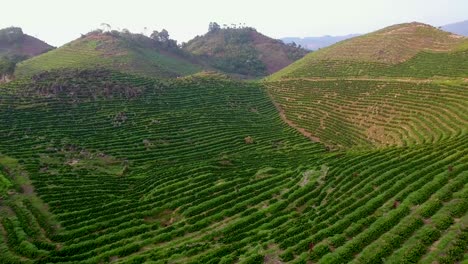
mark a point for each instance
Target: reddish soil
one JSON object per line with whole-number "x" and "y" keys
{"x": 272, "y": 53}
{"x": 27, "y": 189}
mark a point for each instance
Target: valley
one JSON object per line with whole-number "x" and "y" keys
{"x": 117, "y": 147}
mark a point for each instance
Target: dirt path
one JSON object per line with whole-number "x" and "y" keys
{"x": 304, "y": 132}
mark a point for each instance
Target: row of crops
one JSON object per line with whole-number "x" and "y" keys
{"x": 374, "y": 113}
{"x": 423, "y": 65}
{"x": 203, "y": 170}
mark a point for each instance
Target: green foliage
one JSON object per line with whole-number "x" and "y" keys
{"x": 7, "y": 66}
{"x": 365, "y": 113}
{"x": 11, "y": 35}
{"x": 422, "y": 65}
{"x": 191, "y": 189}
{"x": 5, "y": 184}
{"x": 242, "y": 50}
{"x": 412, "y": 50}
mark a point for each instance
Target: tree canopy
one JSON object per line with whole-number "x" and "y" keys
{"x": 11, "y": 34}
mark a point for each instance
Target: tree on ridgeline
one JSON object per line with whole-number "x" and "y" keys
{"x": 214, "y": 27}
{"x": 163, "y": 39}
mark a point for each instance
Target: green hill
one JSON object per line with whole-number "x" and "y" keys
{"x": 406, "y": 50}
{"x": 243, "y": 51}
{"x": 121, "y": 51}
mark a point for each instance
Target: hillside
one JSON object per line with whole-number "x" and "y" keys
{"x": 120, "y": 51}
{"x": 100, "y": 166}
{"x": 460, "y": 28}
{"x": 316, "y": 43}
{"x": 405, "y": 50}
{"x": 243, "y": 51}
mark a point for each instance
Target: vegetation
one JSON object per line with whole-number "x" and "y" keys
{"x": 120, "y": 51}
{"x": 408, "y": 50}
{"x": 366, "y": 113}
{"x": 15, "y": 46}
{"x": 101, "y": 165}
{"x": 7, "y": 66}
{"x": 169, "y": 174}
{"x": 423, "y": 65}
{"x": 11, "y": 35}
{"x": 242, "y": 50}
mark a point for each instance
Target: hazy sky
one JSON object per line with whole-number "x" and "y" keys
{"x": 60, "y": 21}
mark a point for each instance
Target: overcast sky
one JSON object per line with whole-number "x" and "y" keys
{"x": 60, "y": 21}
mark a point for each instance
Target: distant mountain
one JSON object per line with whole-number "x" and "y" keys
{"x": 119, "y": 51}
{"x": 243, "y": 51}
{"x": 410, "y": 49}
{"x": 315, "y": 43}
{"x": 460, "y": 28}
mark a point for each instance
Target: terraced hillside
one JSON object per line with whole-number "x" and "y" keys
{"x": 139, "y": 167}
{"x": 408, "y": 50}
{"x": 367, "y": 113}
{"x": 121, "y": 51}
{"x": 100, "y": 166}
{"x": 402, "y": 85}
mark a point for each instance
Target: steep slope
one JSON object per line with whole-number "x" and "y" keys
{"x": 122, "y": 51}
{"x": 243, "y": 51}
{"x": 316, "y": 43}
{"x": 406, "y": 50}
{"x": 460, "y": 28}
{"x": 14, "y": 43}
{"x": 202, "y": 170}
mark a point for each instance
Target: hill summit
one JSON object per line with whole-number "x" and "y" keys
{"x": 243, "y": 50}
{"x": 158, "y": 56}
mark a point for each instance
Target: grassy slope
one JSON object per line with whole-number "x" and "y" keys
{"x": 109, "y": 52}
{"x": 169, "y": 175}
